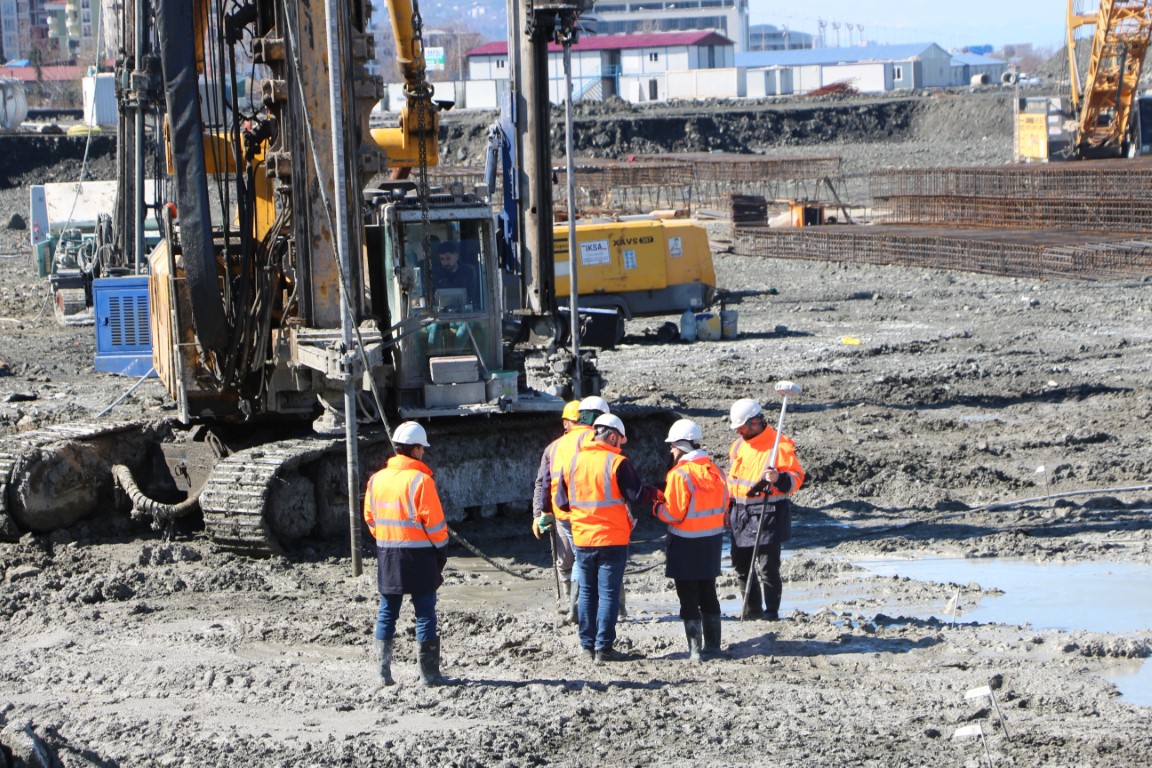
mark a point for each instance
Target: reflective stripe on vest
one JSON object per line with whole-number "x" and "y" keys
{"x": 707, "y": 500}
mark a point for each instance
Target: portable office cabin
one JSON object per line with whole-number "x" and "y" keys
{"x": 875, "y": 67}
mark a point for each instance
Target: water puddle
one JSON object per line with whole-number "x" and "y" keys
{"x": 1096, "y": 597}
{"x": 1134, "y": 679}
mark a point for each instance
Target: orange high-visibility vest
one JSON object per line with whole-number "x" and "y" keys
{"x": 402, "y": 508}
{"x": 564, "y": 450}
{"x": 748, "y": 461}
{"x": 696, "y": 497}
{"x": 599, "y": 514}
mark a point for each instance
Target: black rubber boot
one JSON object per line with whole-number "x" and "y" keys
{"x": 771, "y": 605}
{"x": 384, "y": 657}
{"x": 693, "y": 630}
{"x": 429, "y": 657}
{"x": 711, "y": 628}
{"x": 752, "y": 606}
{"x": 623, "y": 612}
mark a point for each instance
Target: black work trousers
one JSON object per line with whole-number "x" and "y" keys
{"x": 697, "y": 596}
{"x": 767, "y": 573}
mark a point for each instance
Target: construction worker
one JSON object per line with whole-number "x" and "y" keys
{"x": 560, "y": 462}
{"x": 403, "y": 512}
{"x": 759, "y": 505}
{"x": 546, "y": 517}
{"x": 694, "y": 503}
{"x": 597, "y": 493}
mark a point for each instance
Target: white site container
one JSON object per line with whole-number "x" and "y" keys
{"x": 100, "y": 99}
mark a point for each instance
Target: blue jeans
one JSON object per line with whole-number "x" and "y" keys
{"x": 425, "y": 606}
{"x": 601, "y": 582}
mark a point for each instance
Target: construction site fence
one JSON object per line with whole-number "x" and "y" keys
{"x": 1020, "y": 254}
{"x": 1096, "y": 214}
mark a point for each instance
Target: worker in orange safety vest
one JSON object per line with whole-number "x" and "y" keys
{"x": 577, "y": 419}
{"x": 694, "y": 504}
{"x": 759, "y": 489}
{"x": 597, "y": 493}
{"x": 402, "y": 509}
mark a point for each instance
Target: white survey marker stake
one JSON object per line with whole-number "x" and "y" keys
{"x": 986, "y": 690}
{"x": 968, "y": 730}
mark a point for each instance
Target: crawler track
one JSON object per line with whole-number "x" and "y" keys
{"x": 236, "y": 496}
{"x": 479, "y": 463}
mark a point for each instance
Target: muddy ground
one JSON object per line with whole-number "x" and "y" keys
{"x": 929, "y": 398}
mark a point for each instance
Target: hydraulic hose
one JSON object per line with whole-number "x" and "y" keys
{"x": 144, "y": 507}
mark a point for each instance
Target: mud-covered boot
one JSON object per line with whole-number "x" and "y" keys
{"x": 693, "y": 631}
{"x": 623, "y": 612}
{"x": 566, "y": 593}
{"x": 384, "y": 658}
{"x": 711, "y": 628}
{"x": 771, "y": 605}
{"x": 573, "y": 616}
{"x": 752, "y": 607}
{"x": 429, "y": 657}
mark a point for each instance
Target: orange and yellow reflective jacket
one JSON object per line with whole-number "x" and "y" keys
{"x": 402, "y": 508}
{"x": 563, "y": 453}
{"x": 598, "y": 511}
{"x": 748, "y": 461}
{"x": 696, "y": 497}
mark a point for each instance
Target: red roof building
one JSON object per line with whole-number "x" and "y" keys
{"x": 54, "y": 73}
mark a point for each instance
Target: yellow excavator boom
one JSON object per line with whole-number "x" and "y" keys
{"x": 414, "y": 141}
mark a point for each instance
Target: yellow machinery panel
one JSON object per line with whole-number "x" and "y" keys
{"x": 690, "y": 255}
{"x": 619, "y": 257}
{"x": 1033, "y": 136}
{"x": 161, "y": 310}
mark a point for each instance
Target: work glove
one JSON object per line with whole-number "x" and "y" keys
{"x": 542, "y": 524}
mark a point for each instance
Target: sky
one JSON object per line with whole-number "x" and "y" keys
{"x": 951, "y": 24}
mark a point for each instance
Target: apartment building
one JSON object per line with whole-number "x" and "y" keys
{"x": 726, "y": 17}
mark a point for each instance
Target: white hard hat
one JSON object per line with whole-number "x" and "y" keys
{"x": 610, "y": 421}
{"x": 410, "y": 433}
{"x": 594, "y": 403}
{"x": 742, "y": 410}
{"x": 684, "y": 429}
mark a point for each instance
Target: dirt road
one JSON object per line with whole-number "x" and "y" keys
{"x": 928, "y": 396}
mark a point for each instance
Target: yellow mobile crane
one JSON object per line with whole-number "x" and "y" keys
{"x": 1099, "y": 119}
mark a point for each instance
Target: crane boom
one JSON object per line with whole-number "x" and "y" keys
{"x": 1104, "y": 101}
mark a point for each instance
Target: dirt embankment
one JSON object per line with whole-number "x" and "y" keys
{"x": 951, "y": 121}
{"x": 41, "y": 159}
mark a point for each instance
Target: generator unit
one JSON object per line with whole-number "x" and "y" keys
{"x": 123, "y": 331}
